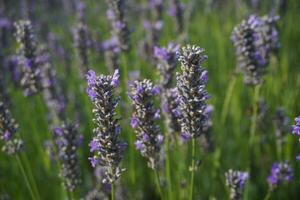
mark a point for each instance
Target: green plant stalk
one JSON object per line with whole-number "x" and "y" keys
{"x": 192, "y": 169}
{"x": 254, "y": 116}
{"x": 227, "y": 100}
{"x": 112, "y": 191}
{"x": 268, "y": 195}
{"x": 25, "y": 177}
{"x": 157, "y": 180}
{"x": 168, "y": 168}
{"x": 26, "y": 162}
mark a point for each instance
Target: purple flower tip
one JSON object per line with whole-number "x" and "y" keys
{"x": 91, "y": 78}
{"x": 159, "y": 139}
{"x": 58, "y": 131}
{"x": 94, "y": 146}
{"x": 93, "y": 161}
{"x": 298, "y": 157}
{"x": 155, "y": 90}
{"x": 157, "y": 114}
{"x": 134, "y": 122}
{"x": 139, "y": 145}
{"x": 115, "y": 78}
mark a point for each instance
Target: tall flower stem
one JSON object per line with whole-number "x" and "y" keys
{"x": 268, "y": 195}
{"x": 157, "y": 180}
{"x": 228, "y": 96}
{"x": 26, "y": 162}
{"x": 168, "y": 168}
{"x": 25, "y": 177}
{"x": 112, "y": 191}
{"x": 192, "y": 169}
{"x": 254, "y": 116}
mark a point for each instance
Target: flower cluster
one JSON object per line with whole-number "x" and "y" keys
{"x": 68, "y": 141}
{"x": 236, "y": 181}
{"x": 8, "y": 127}
{"x": 255, "y": 39}
{"x": 167, "y": 63}
{"x": 176, "y": 11}
{"x": 296, "y": 127}
{"x": 171, "y": 109}
{"x": 106, "y": 146}
{"x": 82, "y": 44}
{"x": 27, "y": 51}
{"x": 116, "y": 16}
{"x": 280, "y": 173}
{"x": 191, "y": 84}
{"x": 143, "y": 121}
{"x": 281, "y": 123}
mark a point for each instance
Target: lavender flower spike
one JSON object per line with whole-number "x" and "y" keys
{"x": 191, "y": 84}
{"x": 106, "y": 146}
{"x": 68, "y": 141}
{"x": 27, "y": 51}
{"x": 280, "y": 173}
{"x": 8, "y": 127}
{"x": 144, "y": 117}
{"x": 236, "y": 181}
{"x": 116, "y": 16}
{"x": 296, "y": 127}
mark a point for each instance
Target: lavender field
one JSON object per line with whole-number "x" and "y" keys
{"x": 149, "y": 99}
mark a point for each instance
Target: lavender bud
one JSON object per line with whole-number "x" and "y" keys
{"x": 280, "y": 173}
{"x": 236, "y": 181}
{"x": 192, "y": 91}
{"x": 27, "y": 51}
{"x": 106, "y": 146}
{"x": 149, "y": 138}
{"x": 8, "y": 127}
{"x": 82, "y": 44}
{"x": 167, "y": 63}
{"x": 296, "y": 127}
{"x": 116, "y": 15}
{"x": 177, "y": 11}
{"x": 281, "y": 123}
{"x": 68, "y": 141}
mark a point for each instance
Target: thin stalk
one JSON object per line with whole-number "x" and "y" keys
{"x": 112, "y": 191}
{"x": 228, "y": 96}
{"x": 168, "y": 169}
{"x": 26, "y": 162}
{"x": 25, "y": 177}
{"x": 254, "y": 116}
{"x": 268, "y": 195}
{"x": 192, "y": 169}
{"x": 157, "y": 180}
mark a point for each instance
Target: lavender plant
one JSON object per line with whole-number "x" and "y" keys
{"x": 176, "y": 11}
{"x": 116, "y": 16}
{"x": 106, "y": 146}
{"x": 31, "y": 80}
{"x": 143, "y": 121}
{"x": 191, "y": 84}
{"x": 68, "y": 141}
{"x": 296, "y": 131}
{"x": 235, "y": 181}
{"x": 281, "y": 172}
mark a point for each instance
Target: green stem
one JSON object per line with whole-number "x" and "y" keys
{"x": 112, "y": 191}
{"x": 228, "y": 96}
{"x": 254, "y": 116}
{"x": 25, "y": 177}
{"x": 168, "y": 169}
{"x": 268, "y": 195}
{"x": 192, "y": 169}
{"x": 157, "y": 180}
{"x": 26, "y": 162}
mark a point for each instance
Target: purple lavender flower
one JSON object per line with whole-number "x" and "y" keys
{"x": 8, "y": 128}
{"x": 255, "y": 39}
{"x": 236, "y": 181}
{"x": 280, "y": 173}
{"x": 296, "y": 127}
{"x": 31, "y": 80}
{"x": 68, "y": 141}
{"x": 167, "y": 63}
{"x": 82, "y": 45}
{"x": 149, "y": 138}
{"x": 106, "y": 146}
{"x": 192, "y": 91}
{"x": 176, "y": 12}
{"x": 116, "y": 16}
